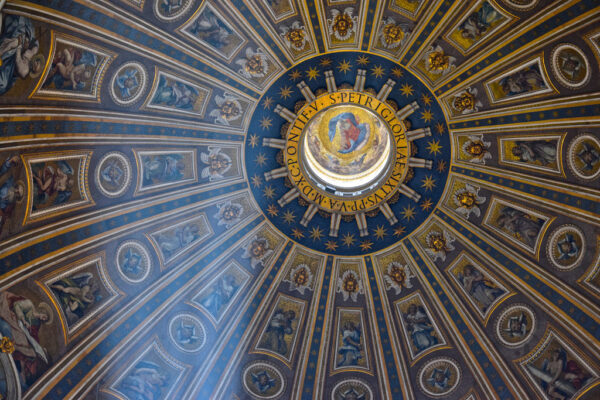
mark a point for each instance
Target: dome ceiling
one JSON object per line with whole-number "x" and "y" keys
{"x": 277, "y": 199}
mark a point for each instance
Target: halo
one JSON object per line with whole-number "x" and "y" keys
{"x": 46, "y": 307}
{"x": 42, "y": 62}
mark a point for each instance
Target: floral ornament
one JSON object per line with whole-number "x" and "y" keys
{"x": 465, "y": 102}
{"x": 295, "y": 36}
{"x": 438, "y": 244}
{"x": 467, "y": 201}
{"x": 6, "y": 345}
{"x": 391, "y": 34}
{"x": 437, "y": 62}
{"x": 477, "y": 149}
{"x": 301, "y": 278}
{"x": 397, "y": 276}
{"x": 218, "y": 164}
{"x": 228, "y": 109}
{"x": 342, "y": 25}
{"x": 257, "y": 250}
{"x": 229, "y": 213}
{"x": 350, "y": 285}
{"x": 254, "y": 65}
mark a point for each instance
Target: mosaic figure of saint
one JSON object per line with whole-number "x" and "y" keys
{"x": 172, "y": 241}
{"x": 11, "y": 191}
{"x": 224, "y": 290}
{"x": 186, "y": 333}
{"x": 562, "y": 377}
{"x": 479, "y": 22}
{"x": 21, "y": 320}
{"x": 175, "y": 94}
{"x": 479, "y": 287}
{"x": 523, "y": 81}
{"x": 144, "y": 382}
{"x": 589, "y": 156}
{"x": 163, "y": 168}
{"x": 520, "y": 225}
{"x": 535, "y": 151}
{"x": 419, "y": 326}
{"x": 209, "y": 28}
{"x": 279, "y": 326}
{"x": 350, "y": 351}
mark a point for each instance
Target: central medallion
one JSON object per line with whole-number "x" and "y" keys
{"x": 346, "y": 151}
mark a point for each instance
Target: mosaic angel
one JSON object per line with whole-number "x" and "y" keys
{"x": 77, "y": 294}
{"x": 71, "y": 69}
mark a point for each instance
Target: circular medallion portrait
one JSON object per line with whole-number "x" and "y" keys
{"x": 113, "y": 174}
{"x": 566, "y": 247}
{"x": 439, "y": 377}
{"x": 187, "y": 333}
{"x": 351, "y": 389}
{"x": 263, "y": 380}
{"x": 515, "y": 325}
{"x": 570, "y": 66}
{"x": 133, "y": 261}
{"x": 522, "y": 5}
{"x": 584, "y": 157}
{"x": 128, "y": 83}
{"x": 171, "y": 10}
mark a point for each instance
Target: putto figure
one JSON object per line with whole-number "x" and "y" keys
{"x": 18, "y": 51}
{"x": 342, "y": 25}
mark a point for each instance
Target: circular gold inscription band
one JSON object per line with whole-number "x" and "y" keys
{"x": 346, "y": 152}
